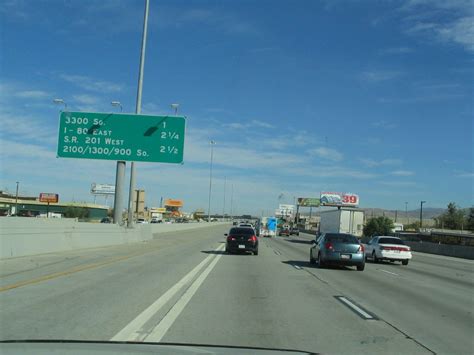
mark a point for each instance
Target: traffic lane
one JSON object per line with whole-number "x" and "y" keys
{"x": 95, "y": 303}
{"x": 435, "y": 311}
{"x": 450, "y": 270}
{"x": 261, "y": 301}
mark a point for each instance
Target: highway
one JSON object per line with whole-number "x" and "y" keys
{"x": 181, "y": 287}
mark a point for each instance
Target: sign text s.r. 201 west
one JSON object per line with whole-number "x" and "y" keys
{"x": 111, "y": 136}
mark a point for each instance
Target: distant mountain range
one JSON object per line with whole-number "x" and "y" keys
{"x": 428, "y": 213}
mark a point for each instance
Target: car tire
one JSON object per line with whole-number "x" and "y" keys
{"x": 405, "y": 262}
{"x": 255, "y": 252}
{"x": 374, "y": 257}
{"x": 361, "y": 267}
{"x": 320, "y": 261}
{"x": 312, "y": 261}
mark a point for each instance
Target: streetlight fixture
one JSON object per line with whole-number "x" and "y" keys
{"x": 117, "y": 103}
{"x": 175, "y": 108}
{"x": 421, "y": 213}
{"x": 60, "y": 102}
{"x": 211, "y": 144}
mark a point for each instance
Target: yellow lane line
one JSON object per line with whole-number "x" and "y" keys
{"x": 70, "y": 271}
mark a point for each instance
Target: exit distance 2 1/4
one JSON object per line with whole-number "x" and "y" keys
{"x": 111, "y": 136}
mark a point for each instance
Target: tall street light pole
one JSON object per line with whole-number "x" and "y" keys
{"x": 211, "y": 143}
{"x": 406, "y": 213}
{"x": 232, "y": 202}
{"x": 138, "y": 110}
{"x": 223, "y": 206}
{"x": 421, "y": 213}
{"x": 119, "y": 182}
{"x": 16, "y": 198}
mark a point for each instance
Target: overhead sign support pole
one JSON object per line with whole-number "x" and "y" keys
{"x": 138, "y": 110}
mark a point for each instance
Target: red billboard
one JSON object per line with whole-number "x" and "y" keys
{"x": 48, "y": 197}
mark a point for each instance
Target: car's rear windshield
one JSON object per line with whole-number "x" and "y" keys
{"x": 391, "y": 241}
{"x": 244, "y": 231}
{"x": 341, "y": 238}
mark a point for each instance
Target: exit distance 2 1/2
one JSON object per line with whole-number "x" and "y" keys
{"x": 112, "y": 136}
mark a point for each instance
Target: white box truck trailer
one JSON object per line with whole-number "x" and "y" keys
{"x": 342, "y": 220}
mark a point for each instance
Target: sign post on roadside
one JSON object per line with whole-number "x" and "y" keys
{"x": 48, "y": 198}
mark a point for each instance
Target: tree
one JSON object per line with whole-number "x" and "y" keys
{"x": 470, "y": 220}
{"x": 76, "y": 212}
{"x": 453, "y": 218}
{"x": 378, "y": 226}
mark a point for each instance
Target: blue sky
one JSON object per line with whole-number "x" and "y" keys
{"x": 374, "y": 98}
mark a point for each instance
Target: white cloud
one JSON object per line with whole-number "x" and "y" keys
{"x": 246, "y": 125}
{"x": 33, "y": 94}
{"x": 85, "y": 99}
{"x": 326, "y": 153}
{"x": 402, "y": 173}
{"x": 90, "y": 84}
{"x": 449, "y": 21}
{"x": 376, "y": 76}
{"x": 384, "y": 124}
{"x": 397, "y": 50}
{"x": 465, "y": 175}
{"x": 385, "y": 162}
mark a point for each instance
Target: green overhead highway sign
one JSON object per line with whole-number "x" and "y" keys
{"x": 112, "y": 136}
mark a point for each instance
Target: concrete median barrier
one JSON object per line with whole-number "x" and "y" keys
{"x": 30, "y": 236}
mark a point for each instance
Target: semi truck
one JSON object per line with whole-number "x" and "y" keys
{"x": 268, "y": 227}
{"x": 342, "y": 220}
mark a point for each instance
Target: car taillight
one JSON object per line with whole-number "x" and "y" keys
{"x": 329, "y": 246}
{"x": 361, "y": 249}
{"x": 252, "y": 239}
{"x": 229, "y": 238}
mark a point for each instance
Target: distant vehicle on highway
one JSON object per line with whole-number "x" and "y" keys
{"x": 142, "y": 221}
{"x": 387, "y": 248}
{"x": 241, "y": 239}
{"x": 106, "y": 220}
{"x": 153, "y": 220}
{"x": 235, "y": 223}
{"x": 284, "y": 231}
{"x": 338, "y": 249}
{"x": 294, "y": 231}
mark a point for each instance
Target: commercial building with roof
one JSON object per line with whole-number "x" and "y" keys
{"x": 29, "y": 206}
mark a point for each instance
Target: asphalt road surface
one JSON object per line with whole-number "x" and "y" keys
{"x": 181, "y": 287}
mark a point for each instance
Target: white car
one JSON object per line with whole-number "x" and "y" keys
{"x": 387, "y": 248}
{"x": 142, "y": 221}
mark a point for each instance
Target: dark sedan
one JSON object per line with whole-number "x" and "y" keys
{"x": 241, "y": 239}
{"x": 338, "y": 248}
{"x": 284, "y": 231}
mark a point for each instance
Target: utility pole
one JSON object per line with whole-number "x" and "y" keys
{"x": 232, "y": 201}
{"x": 421, "y": 213}
{"x": 138, "y": 110}
{"x": 406, "y": 213}
{"x": 211, "y": 143}
{"x": 16, "y": 198}
{"x": 223, "y": 206}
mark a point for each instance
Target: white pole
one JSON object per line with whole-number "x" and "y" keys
{"x": 138, "y": 110}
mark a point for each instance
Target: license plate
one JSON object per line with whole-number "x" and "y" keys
{"x": 241, "y": 246}
{"x": 396, "y": 251}
{"x": 345, "y": 256}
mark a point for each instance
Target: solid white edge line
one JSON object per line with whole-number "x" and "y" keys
{"x": 160, "y": 330}
{"x": 132, "y": 331}
{"x": 297, "y": 267}
{"x": 356, "y": 308}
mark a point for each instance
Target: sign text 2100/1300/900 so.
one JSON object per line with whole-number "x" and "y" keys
{"x": 109, "y": 136}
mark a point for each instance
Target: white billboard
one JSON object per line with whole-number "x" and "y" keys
{"x": 285, "y": 210}
{"x": 102, "y": 189}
